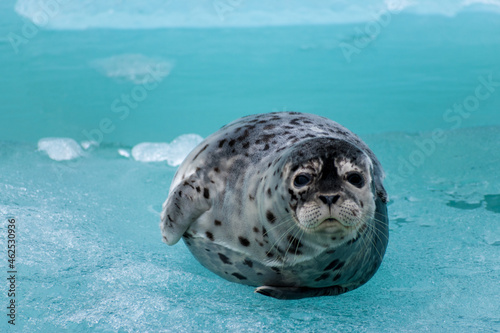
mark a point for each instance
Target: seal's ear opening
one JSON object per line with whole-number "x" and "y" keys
{"x": 378, "y": 178}
{"x": 381, "y": 193}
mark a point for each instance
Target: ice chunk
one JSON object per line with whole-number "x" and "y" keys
{"x": 124, "y": 152}
{"x": 136, "y": 68}
{"x": 174, "y": 153}
{"x": 88, "y": 144}
{"x": 133, "y": 14}
{"x": 60, "y": 149}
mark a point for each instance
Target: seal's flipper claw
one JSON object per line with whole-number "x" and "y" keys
{"x": 185, "y": 203}
{"x": 299, "y": 292}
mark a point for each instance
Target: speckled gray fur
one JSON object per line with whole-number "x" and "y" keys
{"x": 232, "y": 205}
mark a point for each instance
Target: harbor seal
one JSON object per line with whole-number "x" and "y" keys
{"x": 288, "y": 202}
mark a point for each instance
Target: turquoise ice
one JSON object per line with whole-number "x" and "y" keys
{"x": 100, "y": 103}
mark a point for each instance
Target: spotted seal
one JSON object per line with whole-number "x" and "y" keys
{"x": 288, "y": 202}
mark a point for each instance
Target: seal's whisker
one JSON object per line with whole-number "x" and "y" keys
{"x": 275, "y": 243}
{"x": 373, "y": 241}
{"x": 293, "y": 240}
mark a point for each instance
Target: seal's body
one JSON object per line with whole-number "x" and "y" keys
{"x": 292, "y": 203}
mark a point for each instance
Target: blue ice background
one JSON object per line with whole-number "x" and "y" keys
{"x": 90, "y": 255}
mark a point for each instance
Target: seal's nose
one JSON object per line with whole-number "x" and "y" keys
{"x": 329, "y": 199}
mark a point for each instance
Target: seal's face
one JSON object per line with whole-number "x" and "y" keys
{"x": 331, "y": 182}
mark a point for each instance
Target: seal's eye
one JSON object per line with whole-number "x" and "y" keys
{"x": 356, "y": 179}
{"x": 302, "y": 180}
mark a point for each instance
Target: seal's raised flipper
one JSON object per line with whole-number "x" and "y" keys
{"x": 300, "y": 292}
{"x": 185, "y": 203}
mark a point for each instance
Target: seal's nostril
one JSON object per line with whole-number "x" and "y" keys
{"x": 329, "y": 199}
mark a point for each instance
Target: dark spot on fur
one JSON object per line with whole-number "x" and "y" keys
{"x": 169, "y": 218}
{"x": 198, "y": 189}
{"x": 251, "y": 197}
{"x": 221, "y": 143}
{"x": 361, "y": 204}
{"x": 208, "y": 250}
{"x": 217, "y": 222}
{"x": 248, "y": 262}
{"x": 246, "y": 145}
{"x": 210, "y": 235}
{"x": 276, "y": 269}
{"x": 323, "y": 276}
{"x": 255, "y": 229}
{"x": 180, "y": 193}
{"x": 270, "y": 216}
{"x": 266, "y": 147}
{"x": 337, "y": 277}
{"x": 294, "y": 243}
{"x": 244, "y": 241}
{"x": 187, "y": 184}
{"x": 264, "y": 232}
{"x": 216, "y": 170}
{"x": 269, "y": 192}
{"x": 259, "y": 273}
{"x": 206, "y": 193}
{"x": 331, "y": 251}
{"x": 269, "y": 254}
{"x": 332, "y": 264}
{"x": 201, "y": 151}
{"x": 334, "y": 238}
{"x": 352, "y": 241}
{"x": 239, "y": 276}
{"x": 224, "y": 259}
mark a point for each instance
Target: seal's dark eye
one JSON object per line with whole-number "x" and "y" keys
{"x": 302, "y": 180}
{"x": 356, "y": 179}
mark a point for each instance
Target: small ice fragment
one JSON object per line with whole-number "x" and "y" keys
{"x": 181, "y": 147}
{"x": 87, "y": 144}
{"x": 136, "y": 68}
{"x": 60, "y": 149}
{"x": 174, "y": 153}
{"x": 124, "y": 152}
{"x": 150, "y": 152}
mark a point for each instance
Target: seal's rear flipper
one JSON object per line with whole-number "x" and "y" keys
{"x": 300, "y": 292}
{"x": 185, "y": 203}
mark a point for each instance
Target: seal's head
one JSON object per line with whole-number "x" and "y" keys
{"x": 331, "y": 189}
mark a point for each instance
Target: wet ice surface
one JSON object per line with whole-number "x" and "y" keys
{"x": 90, "y": 254}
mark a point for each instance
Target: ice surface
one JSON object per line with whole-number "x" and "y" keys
{"x": 58, "y": 14}
{"x": 90, "y": 255}
{"x": 174, "y": 153}
{"x": 60, "y": 149}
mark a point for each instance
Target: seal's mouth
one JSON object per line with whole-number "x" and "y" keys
{"x": 330, "y": 222}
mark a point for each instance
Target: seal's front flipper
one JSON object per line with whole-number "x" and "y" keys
{"x": 299, "y": 292}
{"x": 185, "y": 203}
